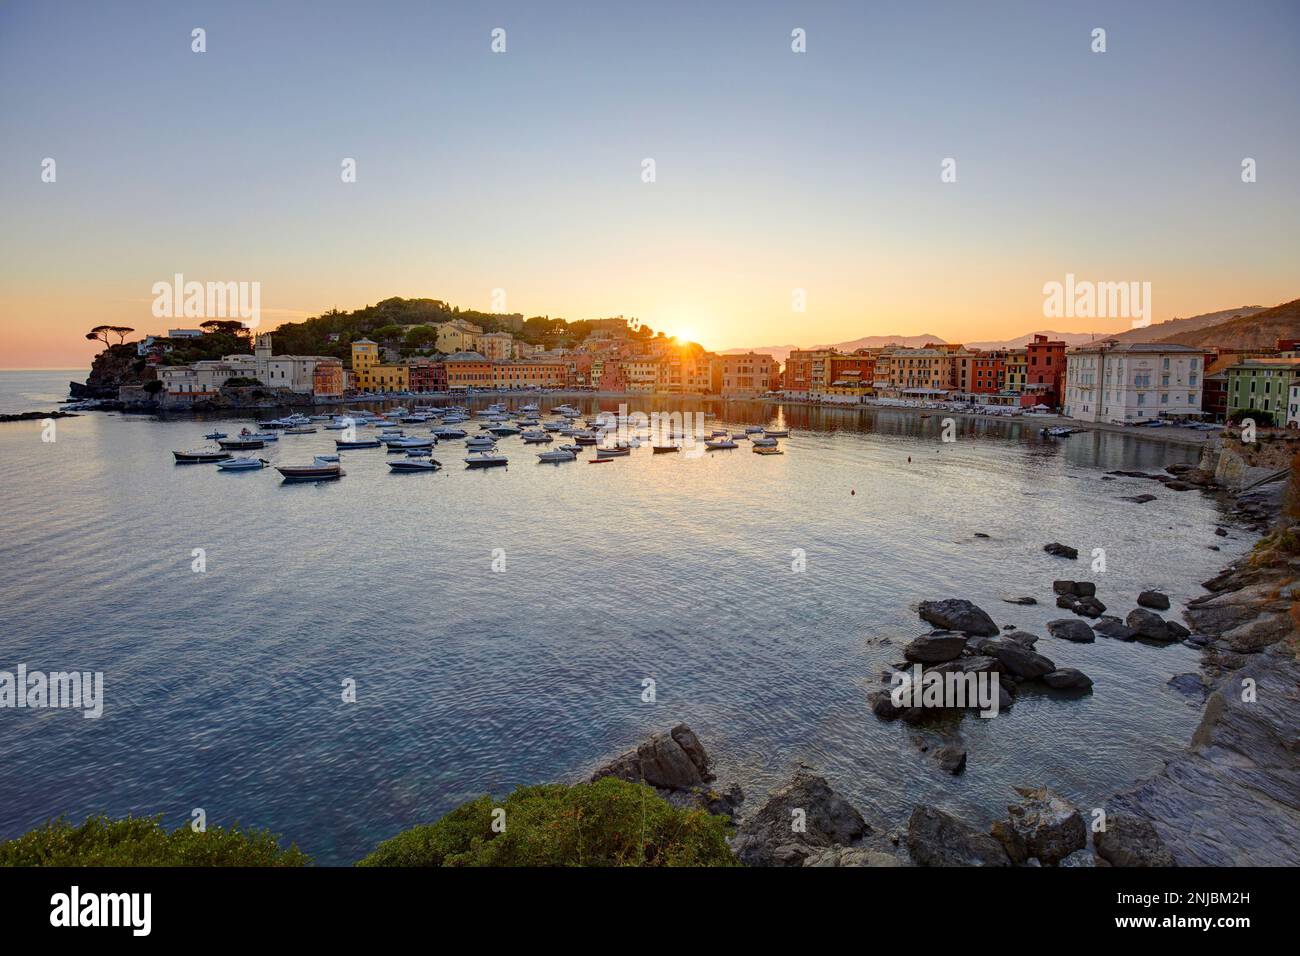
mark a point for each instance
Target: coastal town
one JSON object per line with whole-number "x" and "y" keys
{"x": 1107, "y": 381}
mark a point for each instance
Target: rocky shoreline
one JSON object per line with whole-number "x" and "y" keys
{"x": 1232, "y": 799}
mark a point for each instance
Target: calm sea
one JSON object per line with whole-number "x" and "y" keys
{"x": 223, "y": 687}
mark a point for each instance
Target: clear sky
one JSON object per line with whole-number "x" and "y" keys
{"x": 523, "y": 170}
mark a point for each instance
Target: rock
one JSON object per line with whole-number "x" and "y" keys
{"x": 1263, "y": 631}
{"x": 1085, "y": 589}
{"x": 1176, "y": 631}
{"x": 1069, "y": 629}
{"x": 1065, "y": 601}
{"x": 1021, "y": 600}
{"x": 1140, "y": 499}
{"x": 1061, "y": 550}
{"x": 1082, "y": 857}
{"x": 1178, "y": 486}
{"x": 1022, "y": 637}
{"x": 1063, "y": 587}
{"x": 955, "y": 614}
{"x": 1089, "y": 607}
{"x": 1179, "y": 468}
{"x": 1190, "y": 684}
{"x": 1148, "y": 624}
{"x": 935, "y": 648}
{"x": 1050, "y": 826}
{"x": 935, "y": 838}
{"x": 975, "y": 664}
{"x": 980, "y": 534}
{"x": 882, "y": 705}
{"x": 770, "y": 838}
{"x": 1020, "y": 660}
{"x": 1154, "y": 599}
{"x": 1011, "y": 841}
{"x": 1067, "y": 678}
{"x": 672, "y": 761}
{"x": 1115, "y": 628}
{"x": 1221, "y": 532}
{"x": 951, "y": 759}
{"x": 851, "y": 856}
{"x": 1131, "y": 841}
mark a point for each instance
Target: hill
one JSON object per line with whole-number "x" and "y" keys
{"x": 1020, "y": 341}
{"x": 1162, "y": 331}
{"x": 1258, "y": 329}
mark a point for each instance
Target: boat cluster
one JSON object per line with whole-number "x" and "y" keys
{"x": 609, "y": 435}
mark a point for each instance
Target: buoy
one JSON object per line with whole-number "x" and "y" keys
{"x": 852, "y": 492}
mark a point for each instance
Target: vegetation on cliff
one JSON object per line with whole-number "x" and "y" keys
{"x": 607, "y": 823}
{"x": 142, "y": 841}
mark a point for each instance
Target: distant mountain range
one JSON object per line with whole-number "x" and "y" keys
{"x": 1248, "y": 326}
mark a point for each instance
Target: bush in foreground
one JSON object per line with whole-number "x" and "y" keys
{"x": 142, "y": 841}
{"x": 607, "y": 823}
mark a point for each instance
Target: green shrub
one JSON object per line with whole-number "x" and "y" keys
{"x": 607, "y": 823}
{"x": 142, "y": 841}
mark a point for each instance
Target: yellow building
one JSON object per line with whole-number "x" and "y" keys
{"x": 1016, "y": 371}
{"x": 458, "y": 336}
{"x": 365, "y": 356}
{"x": 528, "y": 374}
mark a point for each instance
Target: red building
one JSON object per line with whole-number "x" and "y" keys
{"x": 986, "y": 373}
{"x": 1045, "y": 372}
{"x": 426, "y": 375}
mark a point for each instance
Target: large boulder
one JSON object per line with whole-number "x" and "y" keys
{"x": 1071, "y": 630}
{"x": 1154, "y": 599}
{"x": 935, "y": 648}
{"x": 799, "y": 818}
{"x": 1115, "y": 628}
{"x": 955, "y": 614}
{"x": 1019, "y": 660}
{"x": 1149, "y": 624}
{"x": 671, "y": 761}
{"x": 1131, "y": 841}
{"x": 935, "y": 838}
{"x": 1050, "y": 826}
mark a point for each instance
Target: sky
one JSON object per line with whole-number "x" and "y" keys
{"x": 522, "y": 171}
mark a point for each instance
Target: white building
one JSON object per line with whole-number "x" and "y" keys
{"x": 1293, "y": 407}
{"x": 1133, "y": 382}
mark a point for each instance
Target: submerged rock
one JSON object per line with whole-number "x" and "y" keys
{"x": 1067, "y": 678}
{"x": 1150, "y": 625}
{"x": 1020, "y": 660}
{"x": 1113, "y": 627}
{"x": 935, "y": 648}
{"x": 1061, "y": 550}
{"x": 935, "y": 838}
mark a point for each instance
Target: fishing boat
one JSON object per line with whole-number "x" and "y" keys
{"x": 415, "y": 464}
{"x": 213, "y": 436}
{"x": 199, "y": 456}
{"x": 716, "y": 444}
{"x": 316, "y": 471}
{"x": 767, "y": 450}
{"x": 242, "y": 444}
{"x": 358, "y": 443}
{"x": 665, "y": 449}
{"x": 536, "y": 438}
{"x": 486, "y": 459}
{"x": 246, "y": 435}
{"x": 242, "y": 464}
{"x": 613, "y": 451}
{"x": 555, "y": 455}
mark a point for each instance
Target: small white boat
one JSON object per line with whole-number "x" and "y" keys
{"x": 300, "y": 430}
{"x": 199, "y": 456}
{"x": 739, "y": 436}
{"x": 326, "y": 459}
{"x": 576, "y": 449}
{"x": 414, "y": 464}
{"x": 242, "y": 464}
{"x": 359, "y": 443}
{"x": 316, "y": 471}
{"x": 764, "y": 442}
{"x": 716, "y": 444}
{"x": 613, "y": 451}
{"x": 441, "y": 433}
{"x": 777, "y": 432}
{"x": 556, "y": 455}
{"x": 535, "y": 437}
{"x": 213, "y": 436}
{"x": 505, "y": 430}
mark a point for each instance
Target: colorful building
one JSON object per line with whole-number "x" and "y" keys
{"x": 327, "y": 379}
{"x": 1127, "y": 382}
{"x": 749, "y": 373}
{"x": 1045, "y": 372}
{"x": 1262, "y": 385}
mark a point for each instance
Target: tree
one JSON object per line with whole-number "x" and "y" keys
{"x": 100, "y": 332}
{"x": 224, "y": 327}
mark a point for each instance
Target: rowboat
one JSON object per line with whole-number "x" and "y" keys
{"x": 199, "y": 457}
{"x": 767, "y": 450}
{"x": 359, "y": 443}
{"x": 664, "y": 449}
{"x": 720, "y": 444}
{"x": 415, "y": 464}
{"x": 242, "y": 464}
{"x": 242, "y": 444}
{"x": 317, "y": 471}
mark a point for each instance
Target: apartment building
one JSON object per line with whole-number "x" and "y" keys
{"x": 1133, "y": 382}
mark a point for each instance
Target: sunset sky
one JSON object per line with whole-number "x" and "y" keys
{"x": 523, "y": 170}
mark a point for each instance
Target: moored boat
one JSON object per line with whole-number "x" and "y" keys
{"x": 664, "y": 449}
{"x": 359, "y": 443}
{"x": 720, "y": 443}
{"x": 316, "y": 471}
{"x": 213, "y": 436}
{"x": 486, "y": 459}
{"x": 555, "y": 455}
{"x": 767, "y": 450}
{"x": 415, "y": 464}
{"x": 200, "y": 456}
{"x": 242, "y": 444}
{"x": 242, "y": 464}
